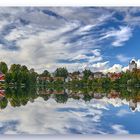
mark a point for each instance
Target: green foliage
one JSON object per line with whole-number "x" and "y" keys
{"x": 61, "y": 72}
{"x": 20, "y": 76}
{"x": 3, "y": 103}
{"x": 86, "y": 73}
{"x": 45, "y": 73}
{"x": 3, "y": 67}
{"x": 61, "y": 98}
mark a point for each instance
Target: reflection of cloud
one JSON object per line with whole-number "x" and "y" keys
{"x": 119, "y": 129}
{"x": 52, "y": 118}
{"x": 74, "y": 117}
{"x": 123, "y": 113}
{"x": 117, "y": 102}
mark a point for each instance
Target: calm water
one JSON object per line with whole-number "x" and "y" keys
{"x": 44, "y": 111}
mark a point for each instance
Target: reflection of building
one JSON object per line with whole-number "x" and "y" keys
{"x": 98, "y": 96}
{"x": 132, "y": 105}
{"x": 114, "y": 94}
{"x": 2, "y": 77}
{"x": 42, "y": 79}
{"x": 2, "y": 94}
{"x": 49, "y": 91}
{"x": 132, "y": 65}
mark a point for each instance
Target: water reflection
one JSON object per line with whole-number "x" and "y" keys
{"x": 21, "y": 96}
{"x": 69, "y": 111}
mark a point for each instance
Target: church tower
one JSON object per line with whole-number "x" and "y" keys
{"x": 132, "y": 65}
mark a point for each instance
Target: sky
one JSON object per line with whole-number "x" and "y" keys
{"x": 97, "y": 38}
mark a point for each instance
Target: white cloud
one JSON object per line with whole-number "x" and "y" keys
{"x": 123, "y": 112}
{"x": 119, "y": 36}
{"x": 115, "y": 68}
{"x": 122, "y": 58}
{"x": 96, "y": 52}
{"x": 100, "y": 66}
{"x": 79, "y": 57}
{"x": 3, "y": 23}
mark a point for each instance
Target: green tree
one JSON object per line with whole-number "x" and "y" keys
{"x": 3, "y": 67}
{"x": 87, "y": 73}
{"x": 3, "y": 103}
{"x": 8, "y": 78}
{"x": 61, "y": 72}
{"x": 45, "y": 73}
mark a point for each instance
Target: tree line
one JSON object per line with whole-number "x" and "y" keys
{"x": 20, "y": 75}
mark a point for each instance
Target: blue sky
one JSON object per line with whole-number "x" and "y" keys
{"x": 98, "y": 38}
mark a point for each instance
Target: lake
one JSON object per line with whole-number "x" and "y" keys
{"x": 49, "y": 111}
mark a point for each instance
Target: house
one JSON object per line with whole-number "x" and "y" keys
{"x": 114, "y": 76}
{"x": 132, "y": 65}
{"x": 58, "y": 79}
{"x": 43, "y": 79}
{"x": 91, "y": 77}
{"x": 2, "y": 77}
{"x": 68, "y": 79}
{"x": 98, "y": 75}
{"x": 75, "y": 76}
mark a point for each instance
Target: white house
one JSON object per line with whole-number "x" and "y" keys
{"x": 98, "y": 75}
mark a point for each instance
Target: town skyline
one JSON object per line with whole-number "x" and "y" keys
{"x": 128, "y": 67}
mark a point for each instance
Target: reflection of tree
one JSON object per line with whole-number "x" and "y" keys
{"x": 3, "y": 103}
{"x": 45, "y": 96}
{"x": 87, "y": 97}
{"x": 20, "y": 96}
{"x": 14, "y": 103}
{"x": 61, "y": 98}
